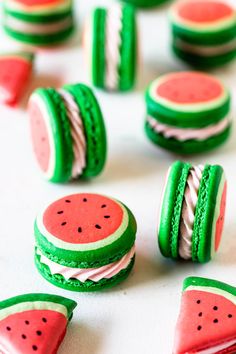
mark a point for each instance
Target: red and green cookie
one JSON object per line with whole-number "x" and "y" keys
{"x": 207, "y": 319}
{"x": 34, "y": 323}
{"x": 15, "y": 72}
{"x": 68, "y": 132}
{"x": 204, "y": 31}
{"x": 192, "y": 212}
{"x": 111, "y": 45}
{"x": 38, "y": 22}
{"x": 188, "y": 112}
{"x": 85, "y": 242}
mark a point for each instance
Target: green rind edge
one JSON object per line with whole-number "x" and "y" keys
{"x": 204, "y": 213}
{"x": 94, "y": 128}
{"x": 190, "y": 146}
{"x": 145, "y": 3}
{"x": 88, "y": 286}
{"x": 203, "y": 62}
{"x": 168, "y": 235}
{"x": 98, "y": 47}
{"x": 89, "y": 259}
{"x": 61, "y": 132}
{"x": 69, "y": 304}
{"x": 204, "y": 282}
{"x": 128, "y": 49}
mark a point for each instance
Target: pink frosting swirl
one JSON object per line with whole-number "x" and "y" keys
{"x": 77, "y": 133}
{"x": 188, "y": 211}
{"x": 95, "y": 274}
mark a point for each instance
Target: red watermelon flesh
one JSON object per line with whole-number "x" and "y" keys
{"x": 39, "y": 2}
{"x": 39, "y": 135}
{"x": 206, "y": 320}
{"x": 83, "y": 218}
{"x": 14, "y": 74}
{"x": 220, "y": 220}
{"x": 190, "y": 88}
{"x": 204, "y": 11}
{"x": 34, "y": 331}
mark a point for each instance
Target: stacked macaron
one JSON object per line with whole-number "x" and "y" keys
{"x": 111, "y": 45}
{"x": 145, "y": 3}
{"x": 85, "y": 242}
{"x": 68, "y": 132}
{"x": 38, "y": 22}
{"x": 204, "y": 32}
{"x": 188, "y": 112}
{"x": 192, "y": 212}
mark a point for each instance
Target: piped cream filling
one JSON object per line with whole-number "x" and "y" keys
{"x": 218, "y": 348}
{"x": 83, "y": 274}
{"x": 188, "y": 211}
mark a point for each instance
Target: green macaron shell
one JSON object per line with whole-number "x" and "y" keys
{"x": 69, "y": 304}
{"x": 208, "y": 283}
{"x": 40, "y": 40}
{"x": 182, "y": 119}
{"x": 60, "y": 126}
{"x": 204, "y": 213}
{"x": 145, "y": 3}
{"x": 89, "y": 259}
{"x": 128, "y": 49}
{"x": 87, "y": 286}
{"x": 94, "y": 128}
{"x": 188, "y": 146}
{"x": 98, "y": 47}
{"x": 170, "y": 217}
{"x": 204, "y": 62}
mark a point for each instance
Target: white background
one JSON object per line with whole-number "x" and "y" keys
{"x": 139, "y": 315}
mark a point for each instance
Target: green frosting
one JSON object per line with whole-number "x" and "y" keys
{"x": 145, "y": 3}
{"x": 203, "y": 62}
{"x": 203, "y": 282}
{"x": 76, "y": 285}
{"x": 93, "y": 258}
{"x": 204, "y": 213}
{"x": 69, "y": 304}
{"x": 98, "y": 47}
{"x": 94, "y": 128}
{"x": 168, "y": 234}
{"x": 189, "y": 146}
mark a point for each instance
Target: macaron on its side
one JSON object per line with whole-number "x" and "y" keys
{"x": 188, "y": 112}
{"x": 94, "y": 129}
{"x": 170, "y": 213}
{"x": 209, "y": 214}
{"x": 128, "y": 49}
{"x": 90, "y": 252}
{"x": 98, "y": 34}
{"x": 50, "y": 132}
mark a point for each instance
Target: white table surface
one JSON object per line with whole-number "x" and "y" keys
{"x": 139, "y": 315}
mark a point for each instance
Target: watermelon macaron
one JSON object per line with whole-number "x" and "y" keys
{"x": 110, "y": 40}
{"x": 188, "y": 112}
{"x": 38, "y": 22}
{"x": 34, "y": 323}
{"x": 207, "y": 319}
{"x": 15, "y": 71}
{"x": 68, "y": 132}
{"x": 204, "y": 32}
{"x": 192, "y": 212}
{"x": 85, "y": 242}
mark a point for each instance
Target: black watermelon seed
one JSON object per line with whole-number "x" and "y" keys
{"x": 215, "y": 320}
{"x": 107, "y": 216}
{"x": 27, "y": 322}
{"x": 230, "y": 316}
{"x": 199, "y": 328}
{"x": 23, "y": 336}
{"x": 79, "y": 229}
{"x": 215, "y": 308}
{"x": 98, "y": 226}
{"x": 198, "y": 301}
{"x": 60, "y": 212}
{"x": 63, "y": 223}
{"x": 200, "y": 314}
{"x": 34, "y": 347}
{"x": 103, "y": 206}
{"x": 8, "y": 328}
{"x": 67, "y": 201}
{"x": 39, "y": 333}
{"x": 44, "y": 319}
{"x": 85, "y": 200}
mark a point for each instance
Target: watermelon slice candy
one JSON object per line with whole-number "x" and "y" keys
{"x": 15, "y": 71}
{"x": 207, "y": 320}
{"x": 34, "y": 323}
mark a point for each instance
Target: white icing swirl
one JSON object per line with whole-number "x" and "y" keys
{"x": 188, "y": 211}
{"x": 183, "y": 134}
{"x": 82, "y": 274}
{"x": 77, "y": 133}
{"x": 112, "y": 45}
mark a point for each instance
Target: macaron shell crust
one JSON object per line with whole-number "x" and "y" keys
{"x": 98, "y": 47}
{"x": 170, "y": 214}
{"x": 189, "y": 146}
{"x": 94, "y": 128}
{"x": 76, "y": 285}
{"x": 203, "y": 237}
{"x": 145, "y": 3}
